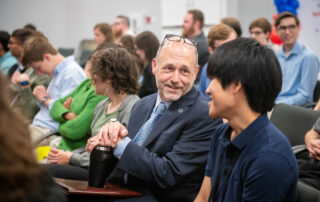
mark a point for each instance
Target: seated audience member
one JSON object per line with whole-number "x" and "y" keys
{"x": 163, "y": 150}
{"x": 299, "y": 64}
{"x": 309, "y": 159}
{"x": 22, "y": 178}
{"x": 121, "y": 27}
{"x": 114, "y": 75}
{"x": 74, "y": 115}
{"x": 66, "y": 76}
{"x": 127, "y": 42}
{"x": 218, "y": 35}
{"x": 147, "y": 45}
{"x": 192, "y": 26}
{"x": 102, "y": 33}
{"x": 249, "y": 159}
{"x": 234, "y": 23}
{"x": 23, "y": 78}
{"x": 6, "y": 59}
{"x": 260, "y": 30}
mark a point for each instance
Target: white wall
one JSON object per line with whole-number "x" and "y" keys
{"x": 66, "y": 22}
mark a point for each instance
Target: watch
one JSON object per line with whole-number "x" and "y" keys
{"x": 44, "y": 99}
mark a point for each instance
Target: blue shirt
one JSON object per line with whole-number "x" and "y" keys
{"x": 299, "y": 72}
{"x": 204, "y": 81}
{"x": 266, "y": 169}
{"x": 6, "y": 62}
{"x": 67, "y": 76}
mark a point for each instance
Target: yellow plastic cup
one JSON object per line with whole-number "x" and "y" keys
{"x": 43, "y": 152}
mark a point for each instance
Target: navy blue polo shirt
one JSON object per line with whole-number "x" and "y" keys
{"x": 265, "y": 170}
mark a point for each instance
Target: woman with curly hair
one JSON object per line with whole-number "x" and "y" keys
{"x": 115, "y": 76}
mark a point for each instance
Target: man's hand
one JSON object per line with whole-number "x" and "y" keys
{"x": 109, "y": 135}
{"x": 67, "y": 103}
{"x": 314, "y": 148}
{"x": 39, "y": 92}
{"x": 18, "y": 78}
{"x": 69, "y": 116}
{"x": 15, "y": 77}
{"x": 58, "y": 156}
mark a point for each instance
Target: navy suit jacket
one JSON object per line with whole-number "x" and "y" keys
{"x": 172, "y": 160}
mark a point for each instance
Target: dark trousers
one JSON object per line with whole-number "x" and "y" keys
{"x": 309, "y": 169}
{"x": 67, "y": 171}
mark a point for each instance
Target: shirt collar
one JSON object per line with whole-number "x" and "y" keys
{"x": 296, "y": 50}
{"x": 168, "y": 104}
{"x": 62, "y": 65}
{"x": 246, "y": 135}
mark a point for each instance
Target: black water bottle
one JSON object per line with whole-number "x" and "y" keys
{"x": 102, "y": 163}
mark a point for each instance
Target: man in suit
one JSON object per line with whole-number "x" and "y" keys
{"x": 165, "y": 161}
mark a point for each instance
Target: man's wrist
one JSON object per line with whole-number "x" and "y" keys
{"x": 44, "y": 99}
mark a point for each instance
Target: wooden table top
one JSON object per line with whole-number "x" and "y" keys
{"x": 79, "y": 187}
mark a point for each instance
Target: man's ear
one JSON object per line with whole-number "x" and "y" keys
{"x": 197, "y": 70}
{"x": 46, "y": 57}
{"x": 154, "y": 66}
{"x": 210, "y": 50}
{"x": 237, "y": 86}
{"x": 196, "y": 24}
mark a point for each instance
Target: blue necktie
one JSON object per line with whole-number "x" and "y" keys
{"x": 145, "y": 130}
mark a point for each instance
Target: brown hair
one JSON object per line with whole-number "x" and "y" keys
{"x": 262, "y": 23}
{"x": 34, "y": 49}
{"x": 127, "y": 41}
{"x": 20, "y": 174}
{"x": 117, "y": 65}
{"x": 219, "y": 32}
{"x": 124, "y": 19}
{"x": 21, "y": 35}
{"x": 284, "y": 15}
{"x": 234, "y": 23}
{"x": 197, "y": 16}
{"x": 149, "y": 43}
{"x": 106, "y": 30}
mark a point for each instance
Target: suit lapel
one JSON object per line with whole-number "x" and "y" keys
{"x": 176, "y": 109}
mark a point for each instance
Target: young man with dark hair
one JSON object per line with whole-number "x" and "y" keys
{"x": 66, "y": 74}
{"x": 299, "y": 64}
{"x": 6, "y": 59}
{"x": 260, "y": 30}
{"x": 192, "y": 26}
{"x": 249, "y": 159}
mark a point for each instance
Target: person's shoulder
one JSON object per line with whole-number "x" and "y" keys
{"x": 273, "y": 146}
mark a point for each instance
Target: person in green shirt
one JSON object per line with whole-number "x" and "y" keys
{"x": 115, "y": 75}
{"x": 74, "y": 114}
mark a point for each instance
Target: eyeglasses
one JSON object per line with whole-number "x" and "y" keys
{"x": 177, "y": 38}
{"x": 256, "y": 33}
{"x": 11, "y": 42}
{"x": 291, "y": 28}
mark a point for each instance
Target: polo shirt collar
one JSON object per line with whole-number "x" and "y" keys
{"x": 246, "y": 135}
{"x": 296, "y": 50}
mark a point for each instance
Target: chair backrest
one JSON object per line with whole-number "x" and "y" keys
{"x": 307, "y": 193}
{"x": 294, "y": 121}
{"x": 316, "y": 92}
